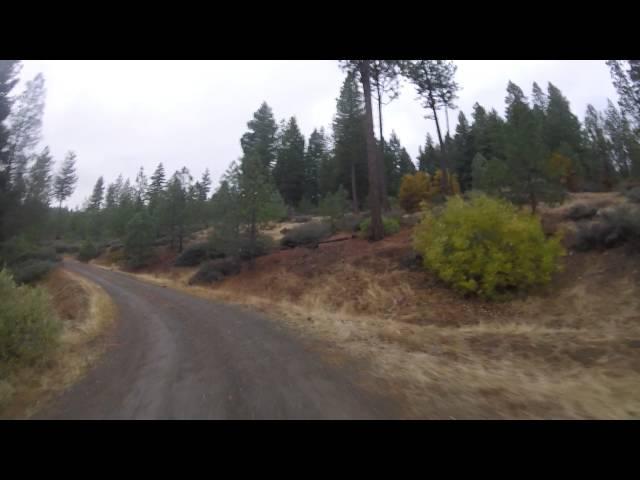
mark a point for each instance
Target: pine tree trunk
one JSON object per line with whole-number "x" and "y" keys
{"x": 444, "y": 168}
{"x": 383, "y": 173}
{"x": 252, "y": 238}
{"x": 354, "y": 194}
{"x": 377, "y": 229}
{"x": 446, "y": 114}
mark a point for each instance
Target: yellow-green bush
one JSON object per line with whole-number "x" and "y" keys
{"x": 487, "y": 247}
{"x": 422, "y": 187}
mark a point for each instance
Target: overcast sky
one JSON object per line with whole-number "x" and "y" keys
{"x": 120, "y": 115}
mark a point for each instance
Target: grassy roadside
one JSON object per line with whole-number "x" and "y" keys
{"x": 86, "y": 312}
{"x": 570, "y": 352}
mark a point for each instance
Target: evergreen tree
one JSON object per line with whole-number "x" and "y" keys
{"x": 261, "y": 137}
{"x": 289, "y": 171}
{"x": 141, "y": 188}
{"x": 435, "y": 84}
{"x": 138, "y": 241}
{"x": 428, "y": 158}
{"x": 385, "y": 84}
{"x": 623, "y": 144}
{"x": 626, "y": 79}
{"x": 561, "y": 126}
{"x": 530, "y": 179}
{"x": 315, "y": 158}
{"x": 156, "y": 188}
{"x": 464, "y": 151}
{"x": 597, "y": 162}
{"x": 65, "y": 182}
{"x": 95, "y": 201}
{"x": 40, "y": 179}
{"x": 349, "y": 142}
{"x": 9, "y": 70}
{"x": 26, "y": 124}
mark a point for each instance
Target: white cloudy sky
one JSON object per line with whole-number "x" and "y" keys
{"x": 120, "y": 115}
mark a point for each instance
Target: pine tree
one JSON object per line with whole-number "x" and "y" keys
{"x": 626, "y": 79}
{"x": 598, "y": 165}
{"x": 464, "y": 151}
{"x": 289, "y": 171}
{"x": 65, "y": 182}
{"x": 530, "y": 179}
{"x": 315, "y": 158}
{"x": 26, "y": 122}
{"x": 561, "y": 126}
{"x": 139, "y": 240}
{"x": 156, "y": 187}
{"x": 39, "y": 181}
{"x": 428, "y": 160}
{"x": 141, "y": 188}
{"x": 9, "y": 70}
{"x": 385, "y": 84}
{"x": 261, "y": 137}
{"x": 205, "y": 186}
{"x": 95, "y": 201}
{"x": 623, "y": 144}
{"x": 435, "y": 84}
{"x": 349, "y": 142}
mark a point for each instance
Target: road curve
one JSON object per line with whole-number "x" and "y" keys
{"x": 175, "y": 356}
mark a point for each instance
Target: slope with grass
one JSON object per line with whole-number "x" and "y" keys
{"x": 570, "y": 350}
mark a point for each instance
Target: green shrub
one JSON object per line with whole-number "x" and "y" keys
{"x": 29, "y": 328}
{"x": 31, "y": 270}
{"x": 88, "y": 251}
{"x": 197, "y": 253}
{"x": 487, "y": 247}
{"x": 18, "y": 250}
{"x": 350, "y": 223}
{"x": 262, "y": 246}
{"x": 390, "y": 225}
{"x": 581, "y": 211}
{"x": 613, "y": 227}
{"x": 334, "y": 205}
{"x": 308, "y": 234}
{"x": 216, "y": 270}
{"x": 138, "y": 242}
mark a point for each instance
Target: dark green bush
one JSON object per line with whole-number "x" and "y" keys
{"x": 390, "y": 225}
{"x": 216, "y": 270}
{"x": 581, "y": 211}
{"x": 88, "y": 251}
{"x": 31, "y": 270}
{"x": 614, "y": 226}
{"x": 29, "y": 327}
{"x": 262, "y": 246}
{"x": 308, "y": 234}
{"x": 348, "y": 223}
{"x": 197, "y": 253}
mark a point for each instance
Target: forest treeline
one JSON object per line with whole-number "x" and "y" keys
{"x": 537, "y": 151}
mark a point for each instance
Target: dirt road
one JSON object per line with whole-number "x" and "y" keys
{"x": 174, "y": 356}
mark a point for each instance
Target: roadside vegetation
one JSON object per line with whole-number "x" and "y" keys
{"x": 493, "y": 276}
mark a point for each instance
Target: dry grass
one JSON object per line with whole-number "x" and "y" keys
{"x": 86, "y": 312}
{"x": 571, "y": 351}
